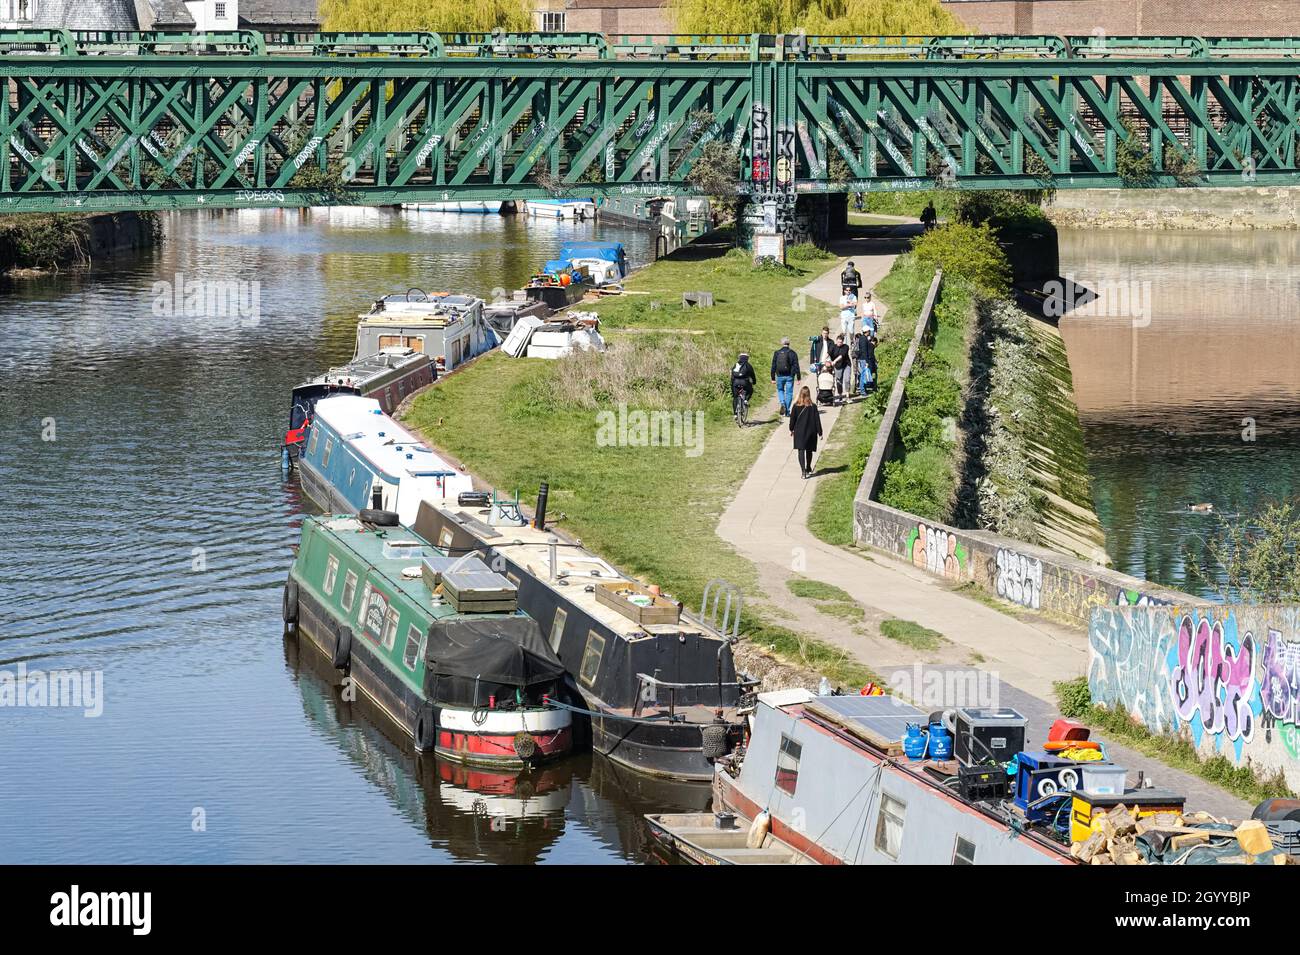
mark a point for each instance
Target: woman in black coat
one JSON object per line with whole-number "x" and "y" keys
{"x": 806, "y": 427}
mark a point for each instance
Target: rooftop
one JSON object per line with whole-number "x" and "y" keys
{"x": 384, "y": 443}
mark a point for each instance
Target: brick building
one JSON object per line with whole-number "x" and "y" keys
{"x": 1073, "y": 17}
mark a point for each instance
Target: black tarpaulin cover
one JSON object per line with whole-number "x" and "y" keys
{"x": 490, "y": 652}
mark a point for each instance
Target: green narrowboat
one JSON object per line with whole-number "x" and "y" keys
{"x": 439, "y": 645}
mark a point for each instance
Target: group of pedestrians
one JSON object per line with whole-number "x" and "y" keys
{"x": 843, "y": 366}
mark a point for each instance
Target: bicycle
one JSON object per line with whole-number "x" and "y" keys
{"x": 741, "y": 410}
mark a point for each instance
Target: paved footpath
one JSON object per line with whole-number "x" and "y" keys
{"x": 767, "y": 524}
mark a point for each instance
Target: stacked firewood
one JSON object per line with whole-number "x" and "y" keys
{"x": 1114, "y": 841}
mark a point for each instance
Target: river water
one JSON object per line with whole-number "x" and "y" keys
{"x": 147, "y": 534}
{"x": 1187, "y": 377}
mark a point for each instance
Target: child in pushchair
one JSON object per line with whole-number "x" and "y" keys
{"x": 825, "y": 385}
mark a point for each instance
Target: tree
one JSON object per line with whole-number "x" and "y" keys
{"x": 816, "y": 17}
{"x": 966, "y": 252}
{"x": 433, "y": 16}
{"x": 1255, "y": 561}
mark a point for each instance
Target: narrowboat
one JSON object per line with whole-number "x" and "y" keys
{"x": 577, "y": 209}
{"x": 661, "y": 692}
{"x": 659, "y": 686}
{"x": 388, "y": 377}
{"x": 450, "y": 329}
{"x": 473, "y": 207}
{"x": 505, "y": 315}
{"x": 357, "y": 458}
{"x": 825, "y": 775}
{"x": 448, "y": 656}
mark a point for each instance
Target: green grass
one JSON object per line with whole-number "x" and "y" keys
{"x": 1178, "y": 752}
{"x": 651, "y": 510}
{"x": 975, "y": 592}
{"x": 817, "y": 590}
{"x": 912, "y": 634}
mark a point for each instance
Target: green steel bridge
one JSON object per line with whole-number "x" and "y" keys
{"x": 122, "y": 121}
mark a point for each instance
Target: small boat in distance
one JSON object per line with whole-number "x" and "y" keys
{"x": 387, "y": 376}
{"x": 471, "y": 207}
{"x": 444, "y": 652}
{"x": 577, "y": 209}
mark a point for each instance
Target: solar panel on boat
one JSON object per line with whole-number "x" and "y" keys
{"x": 883, "y": 716}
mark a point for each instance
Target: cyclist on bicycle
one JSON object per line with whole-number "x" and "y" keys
{"x": 742, "y": 380}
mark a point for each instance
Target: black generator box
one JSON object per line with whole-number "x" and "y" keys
{"x": 984, "y": 735}
{"x": 978, "y": 783}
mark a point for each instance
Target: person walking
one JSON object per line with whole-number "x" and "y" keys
{"x": 820, "y": 350}
{"x": 929, "y": 217}
{"x": 805, "y": 429}
{"x": 850, "y": 279}
{"x": 785, "y": 369}
{"x": 848, "y": 313}
{"x": 870, "y": 312}
{"x": 842, "y": 368}
{"x": 864, "y": 360}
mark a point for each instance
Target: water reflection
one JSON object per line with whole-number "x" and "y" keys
{"x": 1194, "y": 401}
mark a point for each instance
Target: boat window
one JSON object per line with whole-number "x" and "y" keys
{"x": 416, "y": 344}
{"x": 401, "y": 387}
{"x": 331, "y": 574}
{"x": 889, "y": 825}
{"x": 365, "y": 600}
{"x": 390, "y": 628}
{"x": 349, "y": 590}
{"x": 325, "y": 458}
{"x": 311, "y": 445}
{"x": 557, "y": 627}
{"x": 390, "y": 341}
{"x": 963, "y": 852}
{"x": 412, "y": 653}
{"x": 591, "y": 658}
{"x": 787, "y": 765}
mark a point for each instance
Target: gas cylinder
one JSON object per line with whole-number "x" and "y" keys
{"x": 914, "y": 743}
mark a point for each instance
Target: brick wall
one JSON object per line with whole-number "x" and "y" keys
{"x": 1130, "y": 17}
{"x": 616, "y": 21}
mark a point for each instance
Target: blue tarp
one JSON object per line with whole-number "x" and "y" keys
{"x": 609, "y": 251}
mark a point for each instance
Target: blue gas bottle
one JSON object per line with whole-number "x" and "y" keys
{"x": 914, "y": 743}
{"x": 940, "y": 742}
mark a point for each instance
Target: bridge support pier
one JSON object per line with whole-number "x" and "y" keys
{"x": 795, "y": 218}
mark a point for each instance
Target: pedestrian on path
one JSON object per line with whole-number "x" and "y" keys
{"x": 821, "y": 347}
{"x": 842, "y": 368}
{"x": 805, "y": 428}
{"x": 870, "y": 313}
{"x": 785, "y": 369}
{"x": 848, "y": 313}
{"x": 850, "y": 279}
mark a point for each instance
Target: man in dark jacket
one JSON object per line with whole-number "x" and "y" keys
{"x": 850, "y": 279}
{"x": 820, "y": 349}
{"x": 742, "y": 379}
{"x": 841, "y": 368}
{"x": 864, "y": 360}
{"x": 785, "y": 369}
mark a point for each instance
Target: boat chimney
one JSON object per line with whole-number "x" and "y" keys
{"x": 555, "y": 565}
{"x": 539, "y": 520}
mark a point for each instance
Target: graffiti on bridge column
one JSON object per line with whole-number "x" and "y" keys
{"x": 1213, "y": 681}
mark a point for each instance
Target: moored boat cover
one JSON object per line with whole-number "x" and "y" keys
{"x": 470, "y": 659}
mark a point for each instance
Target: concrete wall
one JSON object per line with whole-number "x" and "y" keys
{"x": 1129, "y": 17}
{"x": 1156, "y": 662}
{"x": 1237, "y": 207}
{"x": 1033, "y": 577}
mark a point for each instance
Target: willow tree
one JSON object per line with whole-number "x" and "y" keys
{"x": 816, "y": 17}
{"x": 434, "y": 16}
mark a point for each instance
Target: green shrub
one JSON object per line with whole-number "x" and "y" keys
{"x": 1073, "y": 697}
{"x": 808, "y": 252}
{"x": 921, "y": 483}
{"x": 966, "y": 252}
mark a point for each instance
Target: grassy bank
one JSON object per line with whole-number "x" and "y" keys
{"x": 1075, "y": 702}
{"x": 54, "y": 241}
{"x": 652, "y": 510}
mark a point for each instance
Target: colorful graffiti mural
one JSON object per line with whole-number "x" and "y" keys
{"x": 1020, "y": 578}
{"x": 1226, "y": 677}
{"x": 936, "y": 550}
{"x": 1213, "y": 682}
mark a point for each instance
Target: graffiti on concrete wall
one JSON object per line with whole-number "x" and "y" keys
{"x": 937, "y": 551}
{"x": 1120, "y": 669}
{"x": 1226, "y": 678}
{"x": 1280, "y": 690}
{"x": 1135, "y": 598}
{"x": 1020, "y": 578}
{"x": 1212, "y": 682}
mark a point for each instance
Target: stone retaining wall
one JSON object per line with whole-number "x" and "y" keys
{"x": 1236, "y": 208}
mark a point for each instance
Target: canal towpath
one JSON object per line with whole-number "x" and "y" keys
{"x": 767, "y": 522}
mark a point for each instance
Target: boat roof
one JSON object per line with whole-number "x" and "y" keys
{"x": 578, "y": 567}
{"x": 395, "y": 553}
{"x": 609, "y": 251}
{"x": 379, "y": 439}
{"x": 361, "y": 370}
{"x": 441, "y": 308}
